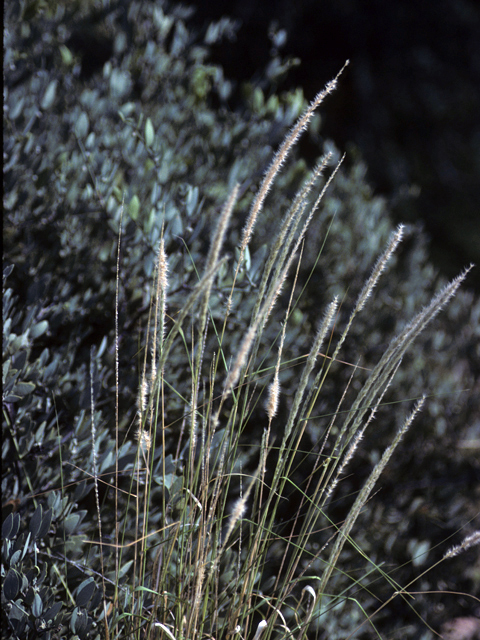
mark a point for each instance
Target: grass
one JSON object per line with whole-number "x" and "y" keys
{"x": 209, "y": 554}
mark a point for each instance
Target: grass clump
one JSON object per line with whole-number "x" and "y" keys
{"x": 198, "y": 558}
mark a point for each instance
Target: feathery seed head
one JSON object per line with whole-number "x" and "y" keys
{"x": 238, "y": 509}
{"x": 162, "y": 263}
{"x": 273, "y": 396}
{"x": 325, "y": 326}
{"x": 470, "y": 541}
{"x": 241, "y": 358}
{"x": 142, "y": 396}
{"x": 379, "y": 267}
{"x": 282, "y": 153}
{"x": 144, "y": 440}
{"x": 153, "y": 374}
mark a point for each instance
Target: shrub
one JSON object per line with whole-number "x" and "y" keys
{"x": 206, "y": 511}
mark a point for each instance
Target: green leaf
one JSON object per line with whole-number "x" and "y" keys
{"x": 102, "y": 347}
{"x": 71, "y": 523}
{"x": 46, "y": 522}
{"x": 8, "y": 270}
{"x": 44, "y": 356}
{"x": 12, "y": 398}
{"x": 146, "y": 590}
{"x": 52, "y": 613}
{"x": 125, "y": 569}
{"x": 50, "y": 370}
{"x": 17, "y": 613}
{"x": 40, "y": 433}
{"x": 66, "y": 54}
{"x": 149, "y": 222}
{"x": 37, "y": 606}
{"x": 26, "y": 545}
{"x": 19, "y": 360}
{"x": 258, "y": 100}
{"x": 108, "y": 462}
{"x": 23, "y": 389}
{"x": 7, "y": 526}
{"x": 11, "y": 526}
{"x": 82, "y": 125}
{"x": 16, "y": 556}
{"x": 49, "y": 95}
{"x": 191, "y": 200}
{"x": 81, "y": 490}
{"x": 134, "y": 207}
{"x": 5, "y": 370}
{"x": 36, "y": 521}
{"x": 85, "y": 592}
{"x": 79, "y": 622}
{"x": 149, "y": 133}
{"x": 11, "y": 584}
{"x": 38, "y": 329}
{"x": 43, "y": 574}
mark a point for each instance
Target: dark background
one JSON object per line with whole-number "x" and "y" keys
{"x": 409, "y": 102}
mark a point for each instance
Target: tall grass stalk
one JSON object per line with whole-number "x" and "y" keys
{"x": 203, "y": 571}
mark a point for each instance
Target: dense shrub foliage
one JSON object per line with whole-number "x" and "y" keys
{"x": 146, "y": 142}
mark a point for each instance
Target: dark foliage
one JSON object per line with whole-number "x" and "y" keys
{"x": 134, "y": 116}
